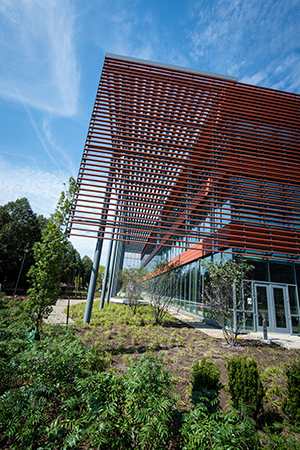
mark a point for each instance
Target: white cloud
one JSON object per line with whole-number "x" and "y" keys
{"x": 257, "y": 78}
{"x": 37, "y": 53}
{"x": 248, "y": 36}
{"x": 41, "y": 188}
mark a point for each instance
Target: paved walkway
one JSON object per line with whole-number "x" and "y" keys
{"x": 57, "y": 315}
{"x": 286, "y": 340}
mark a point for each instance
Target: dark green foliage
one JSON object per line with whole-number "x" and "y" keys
{"x": 40, "y": 401}
{"x": 291, "y": 404}
{"x": 19, "y": 230}
{"x": 49, "y": 254}
{"x": 219, "y": 431}
{"x": 55, "y": 393}
{"x": 286, "y": 441}
{"x": 87, "y": 265}
{"x": 205, "y": 382}
{"x": 133, "y": 411}
{"x": 244, "y": 384}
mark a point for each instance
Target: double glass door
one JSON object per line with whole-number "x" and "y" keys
{"x": 272, "y": 301}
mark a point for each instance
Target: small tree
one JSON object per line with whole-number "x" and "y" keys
{"x": 224, "y": 292}
{"x": 132, "y": 285}
{"x": 100, "y": 276}
{"x": 162, "y": 287}
{"x": 44, "y": 275}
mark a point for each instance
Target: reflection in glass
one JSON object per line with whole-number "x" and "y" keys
{"x": 262, "y": 304}
{"x": 279, "y": 308}
{"x": 249, "y": 324}
{"x": 282, "y": 273}
{"x": 295, "y": 325}
{"x": 293, "y": 300}
{"x": 248, "y": 298}
{"x": 260, "y": 270}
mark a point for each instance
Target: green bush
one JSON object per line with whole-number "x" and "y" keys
{"x": 201, "y": 430}
{"x": 205, "y": 384}
{"x": 291, "y": 404}
{"x": 245, "y": 386}
{"x": 40, "y": 403}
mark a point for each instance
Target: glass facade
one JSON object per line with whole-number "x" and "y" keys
{"x": 270, "y": 289}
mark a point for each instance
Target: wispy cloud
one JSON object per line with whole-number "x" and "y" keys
{"x": 56, "y": 148}
{"x": 246, "y": 38}
{"x": 37, "y": 54}
{"x": 41, "y": 188}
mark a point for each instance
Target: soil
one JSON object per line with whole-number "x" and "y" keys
{"x": 180, "y": 346}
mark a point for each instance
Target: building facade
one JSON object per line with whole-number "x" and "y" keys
{"x": 182, "y": 165}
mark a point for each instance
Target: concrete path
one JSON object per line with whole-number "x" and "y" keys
{"x": 286, "y": 340}
{"x": 57, "y": 315}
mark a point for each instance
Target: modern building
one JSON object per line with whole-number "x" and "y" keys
{"x": 182, "y": 165}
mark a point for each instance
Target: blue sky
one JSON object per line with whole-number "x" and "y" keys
{"x": 51, "y": 56}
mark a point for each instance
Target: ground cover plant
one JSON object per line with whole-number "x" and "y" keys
{"x": 122, "y": 383}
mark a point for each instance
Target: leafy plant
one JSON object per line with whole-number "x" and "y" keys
{"x": 244, "y": 385}
{"x": 133, "y": 411}
{"x": 205, "y": 384}
{"x": 219, "y": 431}
{"x": 161, "y": 286}
{"x": 132, "y": 285}
{"x": 291, "y": 404}
{"x": 44, "y": 275}
{"x": 224, "y": 291}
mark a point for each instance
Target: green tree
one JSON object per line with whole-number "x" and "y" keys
{"x": 100, "y": 276}
{"x": 87, "y": 265}
{"x": 71, "y": 265}
{"x": 45, "y": 274}
{"x": 20, "y": 228}
{"x": 224, "y": 292}
{"x": 132, "y": 284}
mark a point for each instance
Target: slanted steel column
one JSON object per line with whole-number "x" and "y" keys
{"x": 93, "y": 281}
{"x": 106, "y": 275}
{"x": 112, "y": 265}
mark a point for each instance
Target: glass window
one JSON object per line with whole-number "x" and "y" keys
{"x": 293, "y": 300}
{"x": 282, "y": 273}
{"x": 260, "y": 271}
{"x": 295, "y": 325}
{"x": 297, "y": 267}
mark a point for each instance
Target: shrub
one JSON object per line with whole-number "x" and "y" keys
{"x": 130, "y": 411}
{"x": 245, "y": 386}
{"x": 291, "y": 404}
{"x": 205, "y": 385}
{"x": 201, "y": 430}
{"x": 39, "y": 399}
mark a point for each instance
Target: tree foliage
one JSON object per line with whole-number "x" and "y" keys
{"x": 162, "y": 287}
{"x": 100, "y": 276}
{"x": 224, "y": 292}
{"x": 291, "y": 403}
{"x": 45, "y": 274}
{"x": 132, "y": 284}
{"x": 87, "y": 265}
{"x": 20, "y": 228}
{"x": 205, "y": 382}
{"x": 244, "y": 384}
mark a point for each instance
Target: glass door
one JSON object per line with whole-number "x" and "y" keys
{"x": 279, "y": 304}
{"x": 271, "y": 301}
{"x": 262, "y": 301}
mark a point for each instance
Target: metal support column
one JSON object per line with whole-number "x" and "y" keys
{"x": 106, "y": 275}
{"x": 93, "y": 282}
